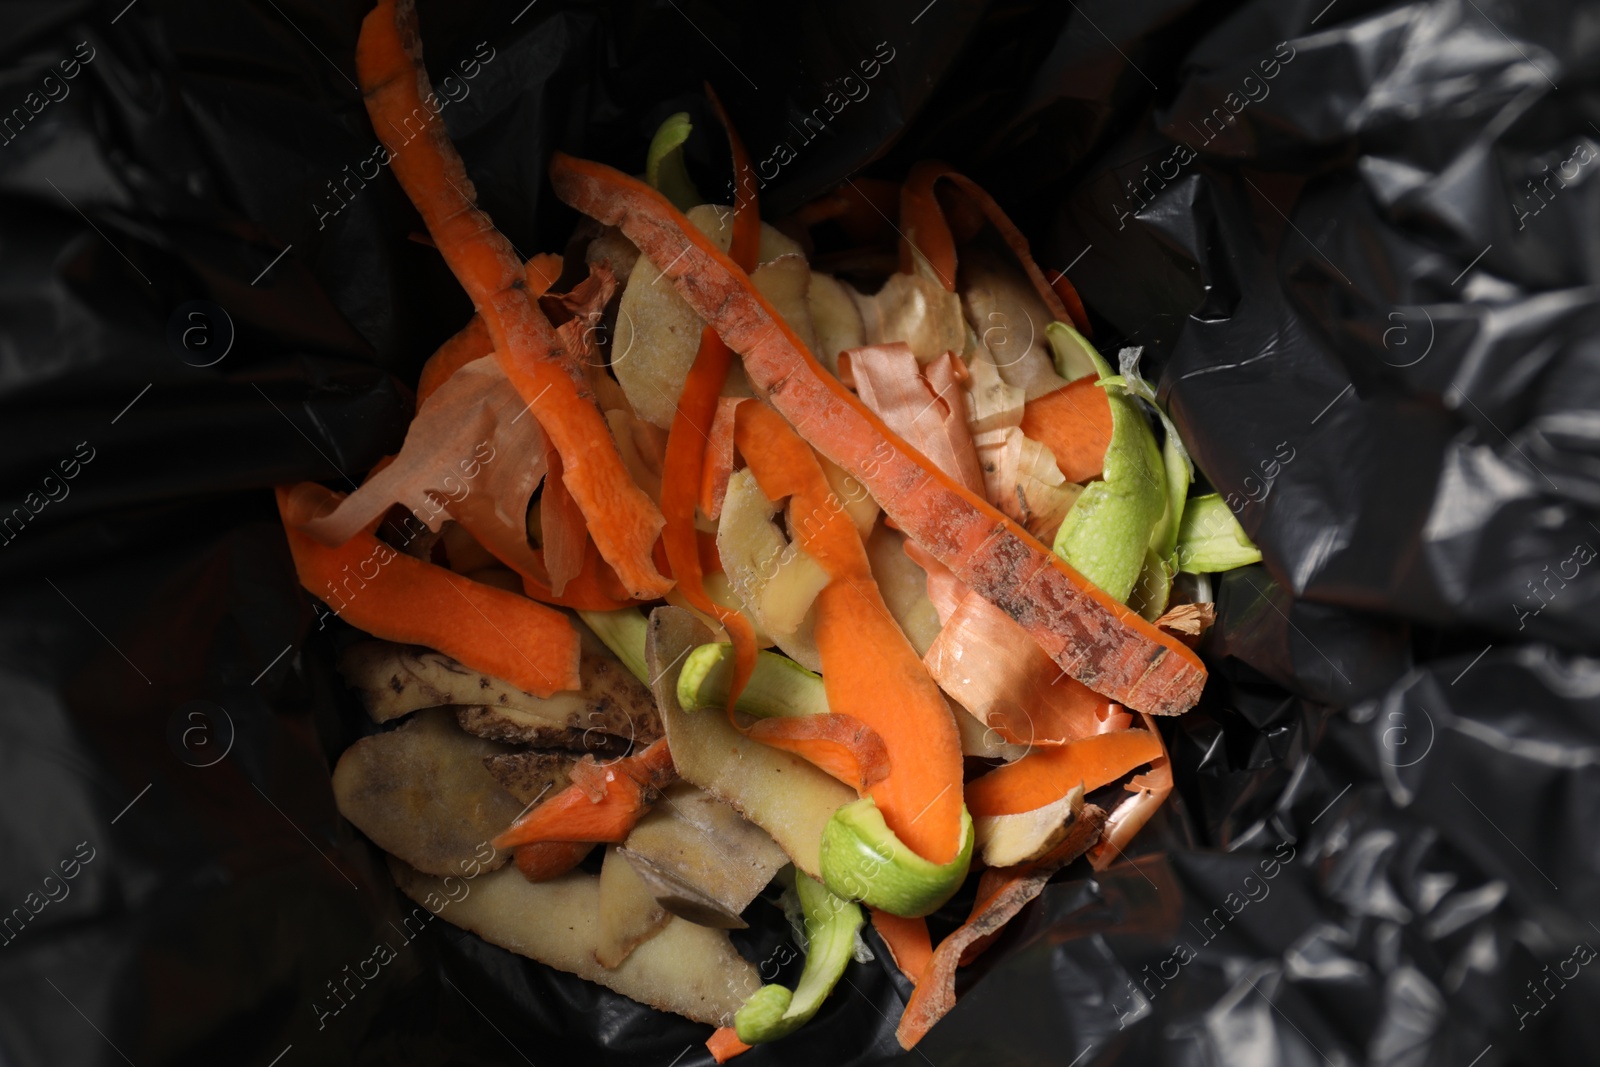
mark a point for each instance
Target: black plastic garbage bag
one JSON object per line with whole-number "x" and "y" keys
{"x": 1356, "y": 242}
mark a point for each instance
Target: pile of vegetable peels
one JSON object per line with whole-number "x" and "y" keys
{"x": 702, "y": 572}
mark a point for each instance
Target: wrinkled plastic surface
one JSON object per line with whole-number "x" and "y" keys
{"x": 1378, "y": 338}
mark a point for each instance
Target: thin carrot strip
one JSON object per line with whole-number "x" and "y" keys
{"x": 839, "y": 744}
{"x": 724, "y": 1045}
{"x": 571, "y": 816}
{"x": 689, "y": 436}
{"x": 603, "y": 802}
{"x": 1093, "y": 637}
{"x": 718, "y": 466}
{"x": 1149, "y": 791}
{"x": 472, "y": 341}
{"x": 680, "y": 491}
{"x": 1045, "y": 775}
{"x": 407, "y": 600}
{"x": 1074, "y": 423}
{"x": 869, "y": 669}
{"x": 622, "y": 519}
{"x": 907, "y": 939}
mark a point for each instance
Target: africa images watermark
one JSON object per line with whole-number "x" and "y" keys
{"x": 33, "y": 903}
{"x": 1166, "y": 969}
{"x": 53, "y": 490}
{"x": 1582, "y": 555}
{"x": 413, "y": 923}
{"x": 54, "y": 89}
{"x": 1582, "y": 954}
{"x": 455, "y": 90}
{"x": 1581, "y": 156}
{"x": 1255, "y": 90}
{"x": 842, "y": 93}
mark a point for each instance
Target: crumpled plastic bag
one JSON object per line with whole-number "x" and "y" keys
{"x": 1355, "y": 242}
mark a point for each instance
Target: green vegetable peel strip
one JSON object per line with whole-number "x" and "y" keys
{"x": 779, "y": 687}
{"x": 1105, "y": 535}
{"x": 664, "y": 168}
{"x": 623, "y": 632}
{"x": 862, "y": 859}
{"x": 831, "y": 924}
{"x": 1210, "y": 539}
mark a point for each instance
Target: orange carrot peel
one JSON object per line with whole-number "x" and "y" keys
{"x": 544, "y": 860}
{"x": 869, "y": 668}
{"x": 724, "y": 1045}
{"x": 395, "y": 597}
{"x": 1150, "y": 791}
{"x": 690, "y": 435}
{"x": 1074, "y": 423}
{"x": 472, "y": 341}
{"x": 603, "y": 803}
{"x": 1011, "y": 889}
{"x": 907, "y": 940}
{"x": 622, "y": 519}
{"x": 1047, "y": 774}
{"x": 1091, "y": 636}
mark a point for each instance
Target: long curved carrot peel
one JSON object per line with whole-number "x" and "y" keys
{"x": 869, "y": 668}
{"x": 842, "y": 745}
{"x": 907, "y": 939}
{"x": 689, "y": 439}
{"x": 1014, "y": 887}
{"x": 603, "y": 802}
{"x": 680, "y": 492}
{"x": 395, "y": 597}
{"x": 1091, "y": 636}
{"x": 472, "y": 340}
{"x": 718, "y": 465}
{"x": 1045, "y": 775}
{"x": 622, "y": 519}
{"x": 926, "y": 233}
{"x": 1074, "y": 423}
{"x": 544, "y": 860}
{"x": 1149, "y": 791}
{"x": 724, "y": 1045}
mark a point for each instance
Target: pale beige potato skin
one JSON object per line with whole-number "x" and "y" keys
{"x": 703, "y": 861}
{"x": 781, "y": 793}
{"x": 1007, "y": 840}
{"x": 835, "y": 319}
{"x": 629, "y": 914}
{"x": 692, "y": 970}
{"x": 422, "y": 793}
{"x": 775, "y": 581}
